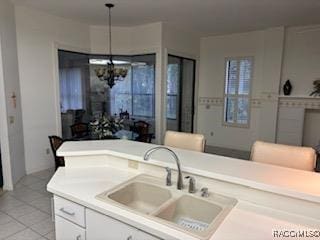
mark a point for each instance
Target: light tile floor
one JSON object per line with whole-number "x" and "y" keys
{"x": 25, "y": 212}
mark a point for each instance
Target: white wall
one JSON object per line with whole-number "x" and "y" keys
{"x": 266, "y": 77}
{"x": 99, "y": 40}
{"x": 299, "y": 114}
{"x": 126, "y": 40}
{"x": 269, "y": 88}
{"x": 38, "y": 35}
{"x": 302, "y": 58}
{"x": 11, "y": 132}
{"x": 182, "y": 43}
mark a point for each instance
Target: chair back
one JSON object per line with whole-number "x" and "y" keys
{"x": 189, "y": 141}
{"x": 79, "y": 113}
{"x": 142, "y": 129}
{"x": 79, "y": 130}
{"x": 55, "y": 143}
{"x": 302, "y": 158}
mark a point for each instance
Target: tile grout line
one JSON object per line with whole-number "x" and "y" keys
{"x": 27, "y": 187}
{"x": 26, "y": 227}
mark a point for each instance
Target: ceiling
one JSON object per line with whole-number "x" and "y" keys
{"x": 208, "y": 17}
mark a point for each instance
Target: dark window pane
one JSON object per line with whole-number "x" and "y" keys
{"x": 173, "y": 74}
{"x": 171, "y": 106}
{"x": 121, "y": 95}
{"x": 71, "y": 92}
{"x": 231, "y": 77}
{"x": 143, "y": 105}
{"x": 121, "y": 102}
{"x": 244, "y": 76}
{"x": 143, "y": 79}
{"x": 242, "y": 115}
{"x": 123, "y": 86}
{"x": 230, "y": 110}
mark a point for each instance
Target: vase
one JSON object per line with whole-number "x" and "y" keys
{"x": 287, "y": 87}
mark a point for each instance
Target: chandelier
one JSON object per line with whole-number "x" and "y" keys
{"x": 111, "y": 74}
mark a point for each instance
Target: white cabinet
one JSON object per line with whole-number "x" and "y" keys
{"x": 101, "y": 227}
{"x": 69, "y": 210}
{"x": 140, "y": 235}
{"x": 66, "y": 230}
{"x": 75, "y": 222}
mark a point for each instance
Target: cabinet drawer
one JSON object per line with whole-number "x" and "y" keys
{"x": 102, "y": 227}
{"x": 66, "y": 230}
{"x": 69, "y": 210}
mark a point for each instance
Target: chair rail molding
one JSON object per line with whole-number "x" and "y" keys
{"x": 218, "y": 102}
{"x": 305, "y": 102}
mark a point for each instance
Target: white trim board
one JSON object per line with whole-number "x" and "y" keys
{"x": 4, "y": 137}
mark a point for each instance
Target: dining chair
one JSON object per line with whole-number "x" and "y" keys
{"x": 189, "y": 141}
{"x": 296, "y": 157}
{"x": 142, "y": 129}
{"x": 55, "y": 143}
{"x": 79, "y": 130}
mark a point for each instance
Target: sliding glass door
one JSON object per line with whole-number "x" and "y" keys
{"x": 180, "y": 93}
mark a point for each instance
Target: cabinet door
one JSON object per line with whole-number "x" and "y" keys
{"x": 66, "y": 230}
{"x": 101, "y": 227}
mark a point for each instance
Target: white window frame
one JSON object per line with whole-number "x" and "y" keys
{"x": 237, "y": 95}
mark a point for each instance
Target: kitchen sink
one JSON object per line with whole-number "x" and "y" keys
{"x": 140, "y": 196}
{"x": 190, "y": 213}
{"x": 193, "y": 214}
{"x": 188, "y": 207}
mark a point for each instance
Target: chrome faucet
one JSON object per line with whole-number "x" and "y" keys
{"x": 152, "y": 150}
{"x": 192, "y": 184}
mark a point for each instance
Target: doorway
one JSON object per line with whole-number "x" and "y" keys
{"x": 180, "y": 93}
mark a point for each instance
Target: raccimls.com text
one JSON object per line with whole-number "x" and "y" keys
{"x": 312, "y": 234}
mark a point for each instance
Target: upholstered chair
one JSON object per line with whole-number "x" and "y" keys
{"x": 189, "y": 141}
{"x": 302, "y": 158}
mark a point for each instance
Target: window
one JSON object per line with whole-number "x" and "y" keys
{"x": 143, "y": 91}
{"x": 238, "y": 77}
{"x": 81, "y": 89}
{"x": 121, "y": 97}
{"x": 136, "y": 93}
{"x": 173, "y": 75}
{"x": 71, "y": 92}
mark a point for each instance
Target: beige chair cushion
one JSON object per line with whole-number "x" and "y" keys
{"x": 189, "y": 141}
{"x": 302, "y": 158}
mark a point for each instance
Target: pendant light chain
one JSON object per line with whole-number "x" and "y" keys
{"x": 110, "y": 50}
{"x": 110, "y": 74}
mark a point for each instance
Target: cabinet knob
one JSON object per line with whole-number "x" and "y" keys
{"x": 129, "y": 238}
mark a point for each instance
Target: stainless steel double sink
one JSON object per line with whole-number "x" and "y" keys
{"x": 192, "y": 214}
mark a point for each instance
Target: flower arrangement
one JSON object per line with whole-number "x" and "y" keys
{"x": 106, "y": 127}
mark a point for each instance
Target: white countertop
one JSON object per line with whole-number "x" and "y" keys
{"x": 285, "y": 181}
{"x": 246, "y": 221}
